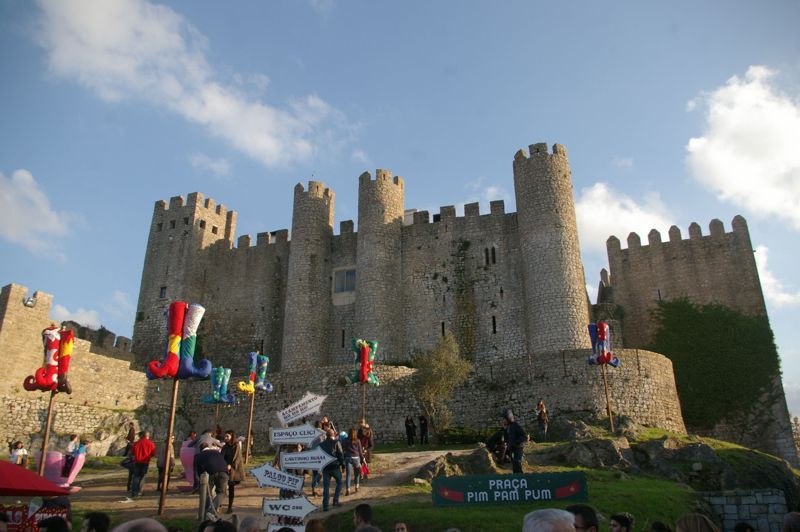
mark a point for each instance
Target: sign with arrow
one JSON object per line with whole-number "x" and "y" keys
{"x": 314, "y": 459}
{"x": 298, "y": 507}
{"x": 304, "y": 435}
{"x": 266, "y": 475}
{"x": 309, "y": 404}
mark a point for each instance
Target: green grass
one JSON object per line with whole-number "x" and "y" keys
{"x": 647, "y": 498}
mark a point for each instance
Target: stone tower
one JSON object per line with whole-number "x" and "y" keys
{"x": 379, "y": 294}
{"x": 308, "y": 287}
{"x": 175, "y": 265}
{"x": 556, "y": 304}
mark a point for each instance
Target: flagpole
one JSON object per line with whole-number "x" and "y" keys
{"x": 167, "y": 447}
{"x": 608, "y": 398}
{"x": 46, "y": 438}
{"x": 250, "y": 429}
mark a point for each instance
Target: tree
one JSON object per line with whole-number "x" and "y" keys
{"x": 796, "y": 432}
{"x": 439, "y": 372}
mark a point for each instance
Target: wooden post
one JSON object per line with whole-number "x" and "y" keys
{"x": 363, "y": 401}
{"x": 608, "y": 398}
{"x": 167, "y": 445}
{"x": 248, "y": 443}
{"x": 46, "y": 438}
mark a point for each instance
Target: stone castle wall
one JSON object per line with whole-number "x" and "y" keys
{"x": 716, "y": 268}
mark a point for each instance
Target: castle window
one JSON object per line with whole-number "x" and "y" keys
{"x": 344, "y": 281}
{"x": 442, "y": 328}
{"x": 214, "y": 229}
{"x": 186, "y": 221}
{"x": 656, "y": 294}
{"x": 342, "y": 337}
{"x": 501, "y": 292}
{"x": 494, "y": 325}
{"x": 486, "y": 256}
{"x": 172, "y": 224}
{"x": 494, "y": 257}
{"x": 202, "y": 224}
{"x": 444, "y": 299}
{"x": 159, "y": 227}
{"x": 163, "y": 292}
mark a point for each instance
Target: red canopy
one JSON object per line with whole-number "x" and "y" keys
{"x": 16, "y": 480}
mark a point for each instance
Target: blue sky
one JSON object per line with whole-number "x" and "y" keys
{"x": 672, "y": 112}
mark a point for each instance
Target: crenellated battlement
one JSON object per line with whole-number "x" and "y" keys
{"x": 381, "y": 176}
{"x": 196, "y": 211}
{"x": 716, "y": 231}
{"x": 539, "y": 152}
{"x": 266, "y": 238}
{"x": 316, "y": 189}
{"x": 448, "y": 213}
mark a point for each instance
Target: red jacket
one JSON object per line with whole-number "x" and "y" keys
{"x": 143, "y": 451}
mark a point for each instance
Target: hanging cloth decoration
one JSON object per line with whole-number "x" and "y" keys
{"x": 182, "y": 323}
{"x": 220, "y": 377}
{"x": 600, "y": 334}
{"x": 364, "y": 352}
{"x": 249, "y": 387}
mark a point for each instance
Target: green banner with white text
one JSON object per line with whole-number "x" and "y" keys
{"x": 508, "y": 489}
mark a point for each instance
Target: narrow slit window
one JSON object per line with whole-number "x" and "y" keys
{"x": 494, "y": 325}
{"x": 159, "y": 227}
{"x": 501, "y": 292}
{"x": 486, "y": 255}
{"x": 342, "y": 337}
{"x": 494, "y": 256}
{"x": 442, "y": 328}
{"x": 172, "y": 224}
{"x": 163, "y": 292}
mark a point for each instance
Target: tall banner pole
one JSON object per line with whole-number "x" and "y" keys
{"x": 216, "y": 415}
{"x": 46, "y": 438}
{"x": 249, "y": 429}
{"x": 363, "y": 401}
{"x": 167, "y": 445}
{"x": 608, "y": 398}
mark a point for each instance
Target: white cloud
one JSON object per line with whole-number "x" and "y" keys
{"x": 119, "y": 305}
{"x": 479, "y": 191}
{"x": 321, "y": 6}
{"x": 360, "y": 156}
{"x": 774, "y": 291}
{"x": 87, "y": 318}
{"x": 602, "y": 212}
{"x": 625, "y": 163}
{"x": 748, "y": 153}
{"x": 28, "y": 219}
{"x": 592, "y": 291}
{"x": 219, "y": 167}
{"x": 133, "y": 49}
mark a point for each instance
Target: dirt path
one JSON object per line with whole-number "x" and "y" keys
{"x": 106, "y": 491}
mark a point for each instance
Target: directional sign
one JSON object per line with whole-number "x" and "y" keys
{"x": 295, "y": 507}
{"x": 309, "y": 404}
{"x": 314, "y": 459}
{"x": 303, "y": 435}
{"x": 295, "y": 528}
{"x": 266, "y": 475}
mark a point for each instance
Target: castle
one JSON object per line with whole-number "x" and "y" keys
{"x": 509, "y": 286}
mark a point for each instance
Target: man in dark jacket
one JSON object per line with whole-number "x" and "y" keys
{"x": 516, "y": 438}
{"x": 332, "y": 446}
{"x": 210, "y": 460}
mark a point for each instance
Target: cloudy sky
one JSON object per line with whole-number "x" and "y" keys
{"x": 672, "y": 112}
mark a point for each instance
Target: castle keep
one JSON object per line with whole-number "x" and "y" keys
{"x": 509, "y": 286}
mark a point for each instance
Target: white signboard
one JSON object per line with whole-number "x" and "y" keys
{"x": 309, "y": 404}
{"x": 296, "y": 528}
{"x": 303, "y": 435}
{"x": 298, "y": 507}
{"x": 315, "y": 460}
{"x": 266, "y": 475}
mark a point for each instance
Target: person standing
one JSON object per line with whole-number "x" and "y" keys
{"x": 165, "y": 463}
{"x": 143, "y": 450}
{"x": 353, "y": 454}
{"x": 210, "y": 460}
{"x": 130, "y": 439}
{"x": 543, "y": 419}
{"x": 411, "y": 430}
{"x": 332, "y": 446}
{"x": 232, "y": 452}
{"x": 19, "y": 454}
{"x": 423, "y": 429}
{"x": 516, "y": 438}
{"x": 367, "y": 442}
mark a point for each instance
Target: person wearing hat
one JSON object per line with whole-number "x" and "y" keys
{"x": 516, "y": 438}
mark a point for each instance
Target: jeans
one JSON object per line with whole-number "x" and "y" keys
{"x": 218, "y": 482}
{"x": 326, "y": 484}
{"x": 162, "y": 478}
{"x": 137, "y": 480}
{"x": 316, "y": 478}
{"x": 353, "y": 463}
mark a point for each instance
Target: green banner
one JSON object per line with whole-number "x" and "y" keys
{"x": 500, "y": 489}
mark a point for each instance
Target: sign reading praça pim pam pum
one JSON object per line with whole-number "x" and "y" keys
{"x": 500, "y": 489}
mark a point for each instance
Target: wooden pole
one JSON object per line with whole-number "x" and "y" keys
{"x": 608, "y": 398}
{"x": 46, "y": 438}
{"x": 248, "y": 443}
{"x": 363, "y": 401}
{"x": 216, "y": 415}
{"x": 167, "y": 445}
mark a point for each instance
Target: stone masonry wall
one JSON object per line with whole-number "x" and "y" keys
{"x": 717, "y": 268}
{"x": 762, "y": 509}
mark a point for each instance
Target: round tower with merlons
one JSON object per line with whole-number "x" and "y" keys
{"x": 556, "y": 303}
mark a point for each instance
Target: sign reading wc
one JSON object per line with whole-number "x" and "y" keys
{"x": 296, "y": 507}
{"x": 501, "y": 489}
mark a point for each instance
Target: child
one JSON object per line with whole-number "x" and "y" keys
{"x": 19, "y": 455}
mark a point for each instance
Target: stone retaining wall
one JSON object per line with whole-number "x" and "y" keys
{"x": 762, "y": 509}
